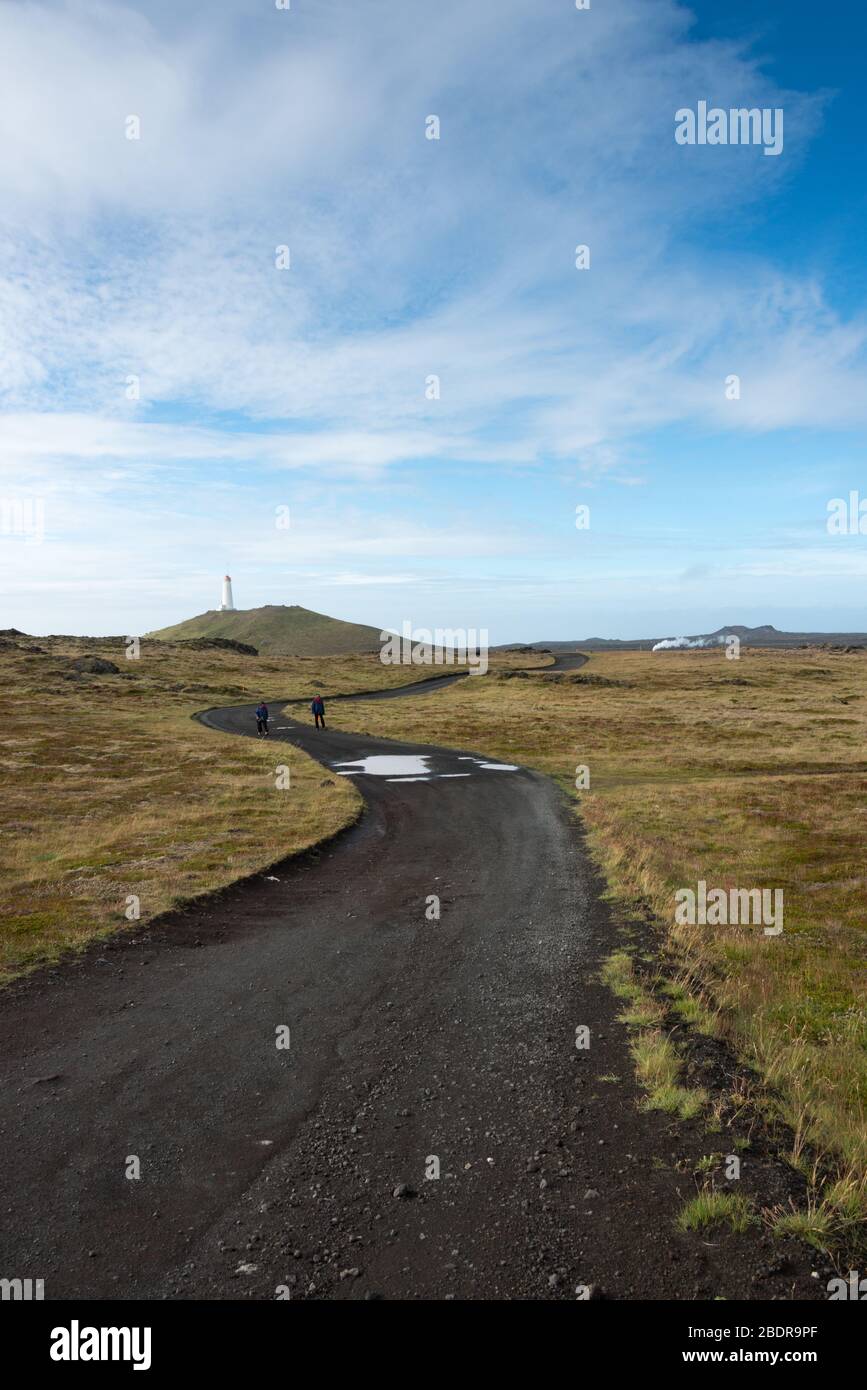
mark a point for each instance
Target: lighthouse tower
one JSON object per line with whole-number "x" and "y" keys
{"x": 228, "y": 604}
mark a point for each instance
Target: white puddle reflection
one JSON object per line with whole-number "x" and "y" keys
{"x": 489, "y": 767}
{"x": 411, "y": 767}
{"x": 408, "y": 765}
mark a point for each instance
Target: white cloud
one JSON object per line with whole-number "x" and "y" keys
{"x": 409, "y": 257}
{"x": 155, "y": 258}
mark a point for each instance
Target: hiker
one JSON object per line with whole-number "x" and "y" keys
{"x": 262, "y": 720}
{"x": 318, "y": 708}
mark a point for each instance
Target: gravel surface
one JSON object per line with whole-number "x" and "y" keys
{"x": 431, "y": 1131}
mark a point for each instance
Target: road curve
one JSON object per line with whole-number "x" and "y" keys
{"x": 431, "y": 1127}
{"x": 411, "y": 1040}
{"x": 570, "y": 661}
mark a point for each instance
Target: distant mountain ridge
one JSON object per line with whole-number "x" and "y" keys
{"x": 764, "y": 636}
{"x": 277, "y": 629}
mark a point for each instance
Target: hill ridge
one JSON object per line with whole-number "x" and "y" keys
{"x": 765, "y": 635}
{"x": 276, "y": 629}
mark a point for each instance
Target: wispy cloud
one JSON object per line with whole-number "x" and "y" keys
{"x": 153, "y": 260}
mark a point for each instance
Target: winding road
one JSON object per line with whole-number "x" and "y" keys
{"x": 161, "y": 1046}
{"x": 430, "y": 1128}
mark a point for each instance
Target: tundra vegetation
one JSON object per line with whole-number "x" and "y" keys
{"x": 745, "y": 774}
{"x": 111, "y": 790}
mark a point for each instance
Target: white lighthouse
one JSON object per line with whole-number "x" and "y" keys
{"x": 228, "y": 604}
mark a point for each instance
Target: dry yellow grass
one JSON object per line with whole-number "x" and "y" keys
{"x": 748, "y": 773}
{"x": 110, "y": 789}
{"x": 745, "y": 774}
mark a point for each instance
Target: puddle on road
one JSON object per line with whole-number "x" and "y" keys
{"x": 410, "y": 767}
{"x": 389, "y": 765}
{"x": 489, "y": 767}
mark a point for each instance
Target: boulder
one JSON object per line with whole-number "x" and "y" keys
{"x": 95, "y": 666}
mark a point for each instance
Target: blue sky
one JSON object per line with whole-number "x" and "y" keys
{"x": 261, "y": 388}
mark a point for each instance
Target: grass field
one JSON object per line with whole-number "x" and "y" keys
{"x": 111, "y": 790}
{"x": 744, "y": 774}
{"x": 749, "y": 773}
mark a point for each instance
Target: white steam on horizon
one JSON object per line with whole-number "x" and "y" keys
{"x": 670, "y": 643}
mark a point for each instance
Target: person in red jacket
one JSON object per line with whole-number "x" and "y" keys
{"x": 318, "y": 709}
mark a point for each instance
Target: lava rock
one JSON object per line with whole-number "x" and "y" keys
{"x": 95, "y": 666}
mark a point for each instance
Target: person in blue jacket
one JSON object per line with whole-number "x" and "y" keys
{"x": 262, "y": 720}
{"x": 318, "y": 709}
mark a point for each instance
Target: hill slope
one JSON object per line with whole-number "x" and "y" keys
{"x": 279, "y": 629}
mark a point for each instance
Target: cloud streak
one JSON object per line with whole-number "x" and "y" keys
{"x": 153, "y": 260}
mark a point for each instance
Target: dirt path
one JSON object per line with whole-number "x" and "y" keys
{"x": 417, "y": 1047}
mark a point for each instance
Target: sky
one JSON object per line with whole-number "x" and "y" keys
{"x": 240, "y": 285}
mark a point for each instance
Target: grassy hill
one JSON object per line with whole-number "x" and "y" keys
{"x": 278, "y": 629}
